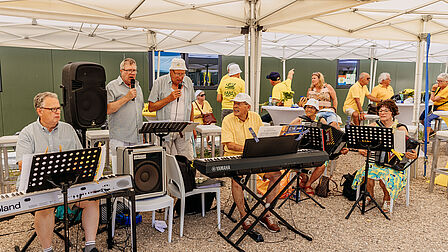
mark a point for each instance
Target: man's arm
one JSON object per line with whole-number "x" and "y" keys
{"x": 234, "y": 146}
{"x": 116, "y": 105}
{"x": 373, "y": 98}
{"x": 154, "y": 106}
{"x": 358, "y": 104}
{"x": 219, "y": 98}
{"x": 290, "y": 74}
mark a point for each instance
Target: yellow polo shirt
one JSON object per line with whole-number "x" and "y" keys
{"x": 236, "y": 131}
{"x": 229, "y": 87}
{"x": 444, "y": 94}
{"x": 278, "y": 89}
{"x": 356, "y": 91}
{"x": 206, "y": 109}
{"x": 383, "y": 93}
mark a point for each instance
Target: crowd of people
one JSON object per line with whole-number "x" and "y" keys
{"x": 174, "y": 98}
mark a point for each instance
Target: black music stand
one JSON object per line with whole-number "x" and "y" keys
{"x": 371, "y": 139}
{"x": 62, "y": 170}
{"x": 163, "y": 128}
{"x": 310, "y": 137}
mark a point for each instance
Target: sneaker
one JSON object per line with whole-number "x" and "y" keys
{"x": 386, "y": 206}
{"x": 246, "y": 224}
{"x": 270, "y": 224}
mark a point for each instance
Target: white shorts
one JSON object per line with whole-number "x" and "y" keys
{"x": 349, "y": 111}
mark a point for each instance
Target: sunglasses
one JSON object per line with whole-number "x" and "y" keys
{"x": 201, "y": 95}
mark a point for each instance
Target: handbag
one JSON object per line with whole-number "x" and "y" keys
{"x": 207, "y": 118}
{"x": 323, "y": 188}
{"x": 347, "y": 190}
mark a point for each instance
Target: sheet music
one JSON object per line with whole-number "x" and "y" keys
{"x": 400, "y": 141}
{"x": 190, "y": 127}
{"x": 99, "y": 172}
{"x": 269, "y": 131}
{"x": 25, "y": 173}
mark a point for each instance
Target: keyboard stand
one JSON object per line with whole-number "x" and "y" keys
{"x": 269, "y": 207}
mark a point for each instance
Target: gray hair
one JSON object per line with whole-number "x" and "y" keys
{"x": 363, "y": 75}
{"x": 383, "y": 76}
{"x": 131, "y": 61}
{"x": 443, "y": 76}
{"x": 40, "y": 97}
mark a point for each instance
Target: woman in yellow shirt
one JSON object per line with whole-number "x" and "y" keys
{"x": 200, "y": 104}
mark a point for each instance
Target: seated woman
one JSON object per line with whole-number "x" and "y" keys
{"x": 391, "y": 181}
{"x": 311, "y": 111}
{"x": 325, "y": 94}
{"x": 201, "y": 106}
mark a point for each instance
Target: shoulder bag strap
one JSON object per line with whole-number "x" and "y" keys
{"x": 198, "y": 107}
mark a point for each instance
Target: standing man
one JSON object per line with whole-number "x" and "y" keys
{"x": 124, "y": 107}
{"x": 235, "y": 131}
{"x": 383, "y": 91}
{"x": 172, "y": 96}
{"x": 280, "y": 87}
{"x": 48, "y": 134}
{"x": 228, "y": 88}
{"x": 355, "y": 99}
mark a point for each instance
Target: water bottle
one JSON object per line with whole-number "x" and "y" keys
{"x": 270, "y": 100}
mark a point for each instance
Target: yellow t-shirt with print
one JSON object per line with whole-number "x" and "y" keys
{"x": 205, "y": 109}
{"x": 382, "y": 92}
{"x": 236, "y": 131}
{"x": 444, "y": 94}
{"x": 356, "y": 91}
{"x": 229, "y": 87}
{"x": 279, "y": 88}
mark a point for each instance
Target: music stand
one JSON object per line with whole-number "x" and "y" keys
{"x": 163, "y": 128}
{"x": 371, "y": 139}
{"x": 62, "y": 170}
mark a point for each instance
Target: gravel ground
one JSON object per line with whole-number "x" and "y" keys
{"x": 419, "y": 227}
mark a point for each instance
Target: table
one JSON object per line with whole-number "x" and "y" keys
{"x": 440, "y": 136}
{"x": 94, "y": 136}
{"x": 5, "y": 143}
{"x": 406, "y": 111}
{"x": 209, "y": 130}
{"x": 369, "y": 119}
{"x": 283, "y": 115}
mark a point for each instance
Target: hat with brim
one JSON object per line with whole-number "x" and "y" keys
{"x": 243, "y": 97}
{"x": 312, "y": 102}
{"x": 178, "y": 64}
{"x": 234, "y": 69}
{"x": 198, "y": 92}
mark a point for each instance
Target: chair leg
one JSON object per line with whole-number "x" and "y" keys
{"x": 391, "y": 205}
{"x": 153, "y": 222}
{"x": 114, "y": 216}
{"x": 165, "y": 215}
{"x": 170, "y": 222}
{"x": 408, "y": 187}
{"x": 218, "y": 207}
{"x": 182, "y": 215}
{"x": 203, "y": 204}
{"x": 358, "y": 191}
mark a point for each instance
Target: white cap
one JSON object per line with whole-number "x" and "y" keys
{"x": 243, "y": 97}
{"x": 198, "y": 92}
{"x": 178, "y": 64}
{"x": 312, "y": 102}
{"x": 234, "y": 69}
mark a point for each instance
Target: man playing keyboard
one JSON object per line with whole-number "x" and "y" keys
{"x": 235, "y": 131}
{"x": 48, "y": 134}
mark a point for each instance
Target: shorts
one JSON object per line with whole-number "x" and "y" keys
{"x": 431, "y": 117}
{"x": 349, "y": 111}
{"x": 328, "y": 116}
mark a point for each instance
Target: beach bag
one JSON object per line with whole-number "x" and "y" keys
{"x": 188, "y": 172}
{"x": 323, "y": 188}
{"x": 347, "y": 189}
{"x": 207, "y": 118}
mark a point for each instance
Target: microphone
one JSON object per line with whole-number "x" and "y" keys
{"x": 179, "y": 87}
{"x": 133, "y": 86}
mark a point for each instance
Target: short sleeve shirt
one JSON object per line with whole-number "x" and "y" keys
{"x": 36, "y": 139}
{"x": 125, "y": 122}
{"x": 162, "y": 89}
{"x": 279, "y": 88}
{"x": 237, "y": 131}
{"x": 383, "y": 93}
{"x": 205, "y": 109}
{"x": 356, "y": 91}
{"x": 229, "y": 88}
{"x": 444, "y": 94}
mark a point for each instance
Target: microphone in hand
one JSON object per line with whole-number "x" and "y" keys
{"x": 133, "y": 86}
{"x": 179, "y": 87}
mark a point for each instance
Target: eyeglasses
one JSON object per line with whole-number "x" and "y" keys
{"x": 201, "y": 95}
{"x": 130, "y": 70}
{"x": 440, "y": 80}
{"x": 54, "y": 110}
{"x": 384, "y": 111}
{"x": 368, "y": 78}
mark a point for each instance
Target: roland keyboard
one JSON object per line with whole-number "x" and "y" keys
{"x": 15, "y": 203}
{"x": 236, "y": 165}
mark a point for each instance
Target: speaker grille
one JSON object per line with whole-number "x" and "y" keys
{"x": 147, "y": 177}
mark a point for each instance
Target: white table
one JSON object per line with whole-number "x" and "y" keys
{"x": 5, "y": 142}
{"x": 209, "y": 130}
{"x": 406, "y": 111}
{"x": 283, "y": 115}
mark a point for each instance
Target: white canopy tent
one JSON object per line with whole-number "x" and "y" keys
{"x": 357, "y": 28}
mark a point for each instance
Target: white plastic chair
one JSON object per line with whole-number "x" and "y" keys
{"x": 151, "y": 204}
{"x": 407, "y": 188}
{"x": 176, "y": 188}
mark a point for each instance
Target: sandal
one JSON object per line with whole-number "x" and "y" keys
{"x": 309, "y": 190}
{"x": 386, "y": 206}
{"x": 303, "y": 180}
{"x": 368, "y": 202}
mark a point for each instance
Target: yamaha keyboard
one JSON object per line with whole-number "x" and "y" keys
{"x": 236, "y": 165}
{"x": 15, "y": 203}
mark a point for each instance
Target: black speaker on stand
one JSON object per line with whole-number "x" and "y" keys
{"x": 84, "y": 95}
{"x": 146, "y": 164}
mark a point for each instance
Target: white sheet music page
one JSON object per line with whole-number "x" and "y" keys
{"x": 102, "y": 163}
{"x": 25, "y": 173}
{"x": 400, "y": 141}
{"x": 269, "y": 131}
